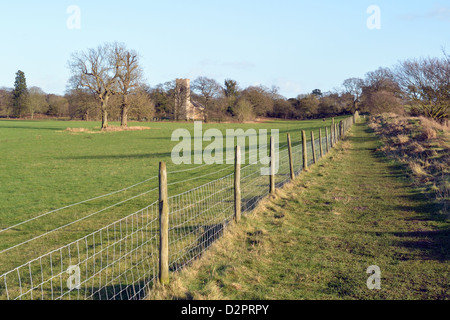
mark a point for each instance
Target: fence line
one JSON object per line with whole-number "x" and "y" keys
{"x": 121, "y": 260}
{"x": 112, "y": 193}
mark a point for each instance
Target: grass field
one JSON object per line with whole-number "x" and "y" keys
{"x": 45, "y": 167}
{"x": 317, "y": 237}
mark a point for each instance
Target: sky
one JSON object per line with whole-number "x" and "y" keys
{"x": 295, "y": 45}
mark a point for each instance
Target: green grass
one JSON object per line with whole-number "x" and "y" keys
{"x": 317, "y": 237}
{"x": 43, "y": 167}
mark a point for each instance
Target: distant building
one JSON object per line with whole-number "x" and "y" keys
{"x": 188, "y": 109}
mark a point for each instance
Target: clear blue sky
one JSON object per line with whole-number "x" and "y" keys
{"x": 293, "y": 44}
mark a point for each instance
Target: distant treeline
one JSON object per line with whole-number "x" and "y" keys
{"x": 417, "y": 87}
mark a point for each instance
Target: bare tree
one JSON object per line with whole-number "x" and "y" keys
{"x": 6, "y": 102}
{"x": 82, "y": 104}
{"x": 141, "y": 105}
{"x": 129, "y": 78}
{"x": 426, "y": 82}
{"x": 208, "y": 89}
{"x": 97, "y": 70}
{"x": 58, "y": 106}
{"x": 209, "y": 92}
{"x": 260, "y": 98}
{"x": 36, "y": 101}
{"x": 354, "y": 87}
{"x": 380, "y": 86}
{"x": 381, "y": 79}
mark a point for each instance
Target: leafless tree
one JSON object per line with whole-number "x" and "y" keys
{"x": 260, "y": 98}
{"x": 97, "y": 70}
{"x": 141, "y": 105}
{"x": 36, "y": 101}
{"x": 208, "y": 93}
{"x": 208, "y": 89}
{"x": 426, "y": 82}
{"x": 354, "y": 87}
{"x": 82, "y": 104}
{"x": 130, "y": 78}
{"x": 379, "y": 87}
{"x": 6, "y": 102}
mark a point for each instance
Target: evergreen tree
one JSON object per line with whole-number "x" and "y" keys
{"x": 231, "y": 93}
{"x": 20, "y": 94}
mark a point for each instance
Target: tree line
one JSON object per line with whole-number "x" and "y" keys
{"x": 107, "y": 82}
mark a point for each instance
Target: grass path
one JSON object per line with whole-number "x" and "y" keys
{"x": 318, "y": 236}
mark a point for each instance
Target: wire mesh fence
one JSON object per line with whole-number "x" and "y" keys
{"x": 121, "y": 260}
{"x": 113, "y": 263}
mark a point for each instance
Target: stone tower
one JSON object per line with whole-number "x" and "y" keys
{"x": 188, "y": 110}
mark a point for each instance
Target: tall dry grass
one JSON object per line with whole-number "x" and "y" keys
{"x": 423, "y": 145}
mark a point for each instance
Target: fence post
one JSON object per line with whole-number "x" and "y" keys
{"x": 331, "y": 137}
{"x": 341, "y": 129}
{"x": 326, "y": 135}
{"x": 272, "y": 165}
{"x": 163, "y": 225}
{"x": 291, "y": 160}
{"x": 336, "y": 133}
{"x": 237, "y": 184}
{"x": 321, "y": 142}
{"x": 305, "y": 151}
{"x": 313, "y": 147}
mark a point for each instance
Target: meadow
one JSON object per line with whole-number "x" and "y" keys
{"x": 47, "y": 166}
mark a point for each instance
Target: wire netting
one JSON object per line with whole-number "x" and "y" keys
{"x": 120, "y": 261}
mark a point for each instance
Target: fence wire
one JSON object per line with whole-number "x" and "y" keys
{"x": 120, "y": 261}
{"x": 116, "y": 262}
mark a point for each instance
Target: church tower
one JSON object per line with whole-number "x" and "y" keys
{"x": 183, "y": 104}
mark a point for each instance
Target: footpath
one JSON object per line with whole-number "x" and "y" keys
{"x": 352, "y": 227}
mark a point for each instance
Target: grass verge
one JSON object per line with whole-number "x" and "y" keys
{"x": 423, "y": 146}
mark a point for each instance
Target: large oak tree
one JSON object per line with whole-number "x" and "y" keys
{"x": 97, "y": 70}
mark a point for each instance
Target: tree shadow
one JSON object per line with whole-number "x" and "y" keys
{"x": 433, "y": 244}
{"x": 119, "y": 156}
{"x": 32, "y": 128}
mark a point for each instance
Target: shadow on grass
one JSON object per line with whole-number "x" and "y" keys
{"x": 433, "y": 244}
{"x": 120, "y": 156}
{"x": 32, "y": 128}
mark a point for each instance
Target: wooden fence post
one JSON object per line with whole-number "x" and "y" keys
{"x": 331, "y": 137}
{"x": 291, "y": 160}
{"x": 272, "y": 165}
{"x": 305, "y": 151}
{"x": 326, "y": 135}
{"x": 237, "y": 185}
{"x": 321, "y": 142}
{"x": 313, "y": 147}
{"x": 163, "y": 225}
{"x": 336, "y": 133}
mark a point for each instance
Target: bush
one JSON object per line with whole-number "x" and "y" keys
{"x": 244, "y": 111}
